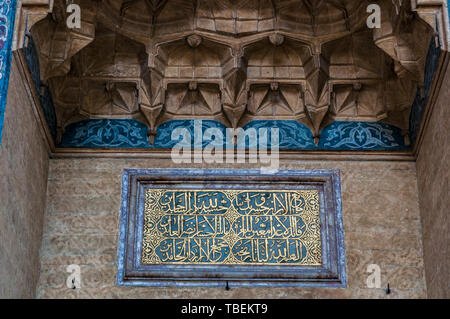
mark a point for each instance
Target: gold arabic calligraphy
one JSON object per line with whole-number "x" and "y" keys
{"x": 278, "y": 227}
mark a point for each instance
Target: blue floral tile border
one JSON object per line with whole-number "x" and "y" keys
{"x": 107, "y": 133}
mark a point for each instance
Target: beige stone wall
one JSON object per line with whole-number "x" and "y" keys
{"x": 23, "y": 183}
{"x": 381, "y": 221}
{"x": 433, "y": 172}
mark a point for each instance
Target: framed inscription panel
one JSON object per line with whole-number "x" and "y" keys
{"x": 188, "y": 227}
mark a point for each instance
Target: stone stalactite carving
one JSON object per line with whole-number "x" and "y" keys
{"x": 433, "y": 12}
{"x": 316, "y": 96}
{"x": 398, "y": 38}
{"x": 235, "y": 91}
{"x": 29, "y": 13}
{"x": 151, "y": 95}
{"x": 57, "y": 44}
{"x": 314, "y": 62}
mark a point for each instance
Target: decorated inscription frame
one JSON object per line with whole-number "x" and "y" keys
{"x": 162, "y": 242}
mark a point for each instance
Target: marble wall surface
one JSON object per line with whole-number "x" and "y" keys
{"x": 23, "y": 182}
{"x": 433, "y": 173}
{"x": 381, "y": 223}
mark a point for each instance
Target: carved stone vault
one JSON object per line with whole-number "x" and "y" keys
{"x": 313, "y": 61}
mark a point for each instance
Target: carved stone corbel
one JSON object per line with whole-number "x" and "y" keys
{"x": 435, "y": 14}
{"x": 235, "y": 90}
{"x": 151, "y": 93}
{"x": 29, "y": 12}
{"x": 397, "y": 37}
{"x": 57, "y": 44}
{"x": 151, "y": 100}
{"x": 317, "y": 96}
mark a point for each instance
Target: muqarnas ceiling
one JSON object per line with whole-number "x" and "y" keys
{"x": 314, "y": 62}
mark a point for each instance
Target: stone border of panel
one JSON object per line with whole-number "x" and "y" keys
{"x": 131, "y": 272}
